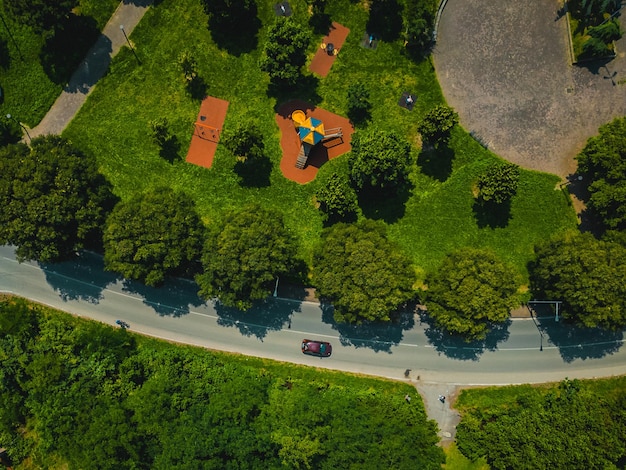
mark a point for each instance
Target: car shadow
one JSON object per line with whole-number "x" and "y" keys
{"x": 81, "y": 278}
{"x": 455, "y": 346}
{"x": 378, "y": 336}
{"x": 264, "y": 316}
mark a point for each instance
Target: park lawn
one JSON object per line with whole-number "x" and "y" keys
{"x": 436, "y": 217}
{"x": 28, "y": 89}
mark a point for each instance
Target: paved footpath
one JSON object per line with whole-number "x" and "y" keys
{"x": 93, "y": 67}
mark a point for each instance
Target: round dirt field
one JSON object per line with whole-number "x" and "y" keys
{"x": 505, "y": 67}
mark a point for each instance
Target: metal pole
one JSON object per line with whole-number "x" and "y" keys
{"x": 276, "y": 288}
{"x": 129, "y": 44}
{"x": 12, "y": 38}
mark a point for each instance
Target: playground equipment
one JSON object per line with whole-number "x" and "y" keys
{"x": 207, "y": 132}
{"x": 311, "y": 132}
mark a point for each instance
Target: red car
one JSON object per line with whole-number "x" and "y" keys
{"x": 316, "y": 348}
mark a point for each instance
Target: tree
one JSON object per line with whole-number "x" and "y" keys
{"x": 359, "y": 105}
{"x": 471, "y": 289}
{"x": 363, "y": 274}
{"x": 53, "y": 201}
{"x": 153, "y": 235}
{"x": 227, "y": 13}
{"x": 188, "y": 66}
{"x": 284, "y": 52}
{"x": 380, "y": 160}
{"x": 419, "y": 21}
{"x": 337, "y": 200}
{"x": 498, "y": 183}
{"x": 587, "y": 274}
{"x": 245, "y": 141}
{"x": 437, "y": 125}
{"x": 242, "y": 259}
{"x": 41, "y": 15}
{"x": 602, "y": 163}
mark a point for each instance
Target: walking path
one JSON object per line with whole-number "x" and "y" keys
{"x": 94, "y": 66}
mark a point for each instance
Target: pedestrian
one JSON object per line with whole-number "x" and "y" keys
{"x": 407, "y": 398}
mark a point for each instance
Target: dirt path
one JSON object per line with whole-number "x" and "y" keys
{"x": 505, "y": 67}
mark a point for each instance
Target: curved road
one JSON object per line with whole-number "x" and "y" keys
{"x": 531, "y": 351}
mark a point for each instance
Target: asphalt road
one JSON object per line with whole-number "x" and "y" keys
{"x": 525, "y": 351}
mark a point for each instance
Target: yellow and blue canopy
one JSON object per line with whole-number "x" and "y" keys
{"x": 311, "y": 131}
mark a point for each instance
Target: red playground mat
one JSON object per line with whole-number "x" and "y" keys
{"x": 323, "y": 60}
{"x": 321, "y": 153}
{"x": 206, "y": 131}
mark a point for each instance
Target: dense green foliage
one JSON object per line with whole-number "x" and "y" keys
{"x": 245, "y": 141}
{"x": 284, "y": 51}
{"x": 470, "y": 291}
{"x": 577, "y": 424}
{"x": 337, "y": 200}
{"x": 602, "y": 163}
{"x": 419, "y": 25}
{"x": 498, "y": 183}
{"x": 438, "y": 214}
{"x": 380, "y": 161}
{"x": 242, "y": 259}
{"x": 152, "y": 236}
{"x": 53, "y": 200}
{"x": 437, "y": 125}
{"x": 587, "y": 274}
{"x": 42, "y": 15}
{"x": 359, "y": 105}
{"x": 361, "y": 272}
{"x": 86, "y": 393}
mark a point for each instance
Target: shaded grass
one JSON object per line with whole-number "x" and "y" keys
{"x": 28, "y": 90}
{"x": 455, "y": 460}
{"x": 437, "y": 216}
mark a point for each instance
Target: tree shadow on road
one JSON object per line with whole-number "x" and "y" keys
{"x": 263, "y": 317}
{"x": 377, "y": 336}
{"x": 174, "y": 298}
{"x": 580, "y": 343}
{"x": 81, "y": 278}
{"x": 455, "y": 347}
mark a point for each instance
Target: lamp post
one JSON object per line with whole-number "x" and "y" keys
{"x": 276, "y": 288}
{"x": 21, "y": 125}
{"x": 129, "y": 44}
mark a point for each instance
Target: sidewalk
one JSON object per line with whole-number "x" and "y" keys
{"x": 93, "y": 67}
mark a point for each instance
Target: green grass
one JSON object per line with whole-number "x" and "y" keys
{"x": 438, "y": 215}
{"x": 28, "y": 90}
{"x": 455, "y": 460}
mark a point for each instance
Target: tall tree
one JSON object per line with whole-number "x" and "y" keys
{"x": 153, "y": 235}
{"x": 364, "y": 275}
{"x": 284, "y": 52}
{"x": 337, "y": 200}
{"x": 498, "y": 183}
{"x": 53, "y": 200}
{"x": 471, "y": 290}
{"x": 587, "y": 274}
{"x": 437, "y": 125}
{"x": 242, "y": 259}
{"x": 602, "y": 163}
{"x": 41, "y": 15}
{"x": 380, "y": 160}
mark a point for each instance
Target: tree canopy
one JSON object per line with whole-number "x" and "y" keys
{"x": 362, "y": 273}
{"x": 471, "y": 290}
{"x": 41, "y": 15}
{"x": 380, "y": 160}
{"x": 53, "y": 201}
{"x": 153, "y": 235}
{"x": 284, "y": 52}
{"x": 337, "y": 200}
{"x": 101, "y": 397}
{"x": 575, "y": 424}
{"x": 602, "y": 163}
{"x": 437, "y": 125}
{"x": 587, "y": 274}
{"x": 242, "y": 259}
{"x": 498, "y": 183}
